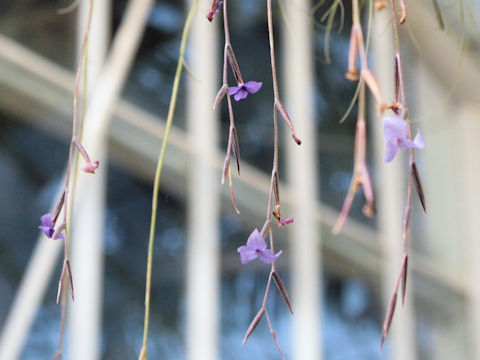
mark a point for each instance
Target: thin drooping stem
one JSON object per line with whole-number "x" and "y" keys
{"x": 233, "y": 145}
{"x": 273, "y": 196}
{"x": 66, "y": 201}
{"x": 277, "y": 103}
{"x": 158, "y": 172}
{"x": 357, "y": 48}
{"x": 412, "y": 177}
{"x": 361, "y": 175}
{"x": 58, "y": 354}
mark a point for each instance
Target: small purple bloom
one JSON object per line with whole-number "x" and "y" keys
{"x": 257, "y": 247}
{"x": 217, "y": 5}
{"x": 242, "y": 90}
{"x": 395, "y": 131}
{"x": 48, "y": 228}
{"x": 282, "y": 222}
{"x": 214, "y": 10}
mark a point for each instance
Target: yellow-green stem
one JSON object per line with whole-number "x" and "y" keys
{"x": 158, "y": 172}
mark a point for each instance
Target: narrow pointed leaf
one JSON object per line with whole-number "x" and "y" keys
{"x": 226, "y": 166}
{"x": 253, "y": 325}
{"x": 234, "y": 65}
{"x": 232, "y": 192}
{"x": 283, "y": 290}
{"x": 404, "y": 277}
{"x": 274, "y": 336}
{"x": 286, "y": 118}
{"x": 236, "y": 148}
{"x": 221, "y": 93}
{"x": 276, "y": 191}
{"x": 418, "y": 186}
{"x": 70, "y": 279}
{"x": 60, "y": 283}
{"x": 388, "y": 318}
{"x": 347, "y": 205}
{"x": 58, "y": 208}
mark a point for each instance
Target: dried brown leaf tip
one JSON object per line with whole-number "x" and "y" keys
{"x": 395, "y": 107}
{"x": 256, "y": 320}
{"x": 380, "y": 4}
{"x": 352, "y": 75}
{"x": 288, "y": 121}
{"x": 403, "y": 12}
{"x": 418, "y": 186}
{"x": 283, "y": 290}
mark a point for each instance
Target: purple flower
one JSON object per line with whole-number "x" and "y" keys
{"x": 90, "y": 167}
{"x": 257, "y": 247}
{"x": 217, "y": 5}
{"x": 395, "y": 131}
{"x": 242, "y": 90}
{"x": 213, "y": 11}
{"x": 282, "y": 222}
{"x": 48, "y": 228}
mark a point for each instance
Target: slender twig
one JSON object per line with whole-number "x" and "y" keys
{"x": 66, "y": 201}
{"x": 233, "y": 145}
{"x": 274, "y": 195}
{"x": 361, "y": 175}
{"x": 357, "y": 48}
{"x": 158, "y": 172}
{"x": 278, "y": 105}
{"x": 412, "y": 177}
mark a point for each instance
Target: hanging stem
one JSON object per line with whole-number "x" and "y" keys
{"x": 158, "y": 172}
{"x": 413, "y": 175}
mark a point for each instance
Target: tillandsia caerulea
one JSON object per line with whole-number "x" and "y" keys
{"x": 395, "y": 131}
{"x": 242, "y": 90}
{"x": 46, "y": 225}
{"x": 213, "y": 10}
{"x": 257, "y": 248}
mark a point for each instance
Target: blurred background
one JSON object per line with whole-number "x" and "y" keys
{"x": 203, "y": 298}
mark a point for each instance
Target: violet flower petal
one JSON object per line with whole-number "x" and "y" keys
{"x": 46, "y": 220}
{"x": 232, "y": 90}
{"x": 395, "y": 131}
{"x": 267, "y": 256}
{"x": 390, "y": 151}
{"x": 46, "y": 225}
{"x": 252, "y": 86}
{"x": 419, "y": 140}
{"x": 256, "y": 241}
{"x": 60, "y": 236}
{"x": 394, "y": 128}
{"x": 241, "y": 94}
{"x": 247, "y": 254}
{"x": 48, "y": 231}
{"x": 217, "y": 5}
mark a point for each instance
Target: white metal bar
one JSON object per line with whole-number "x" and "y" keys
{"x": 468, "y": 178}
{"x": 84, "y": 320}
{"x": 390, "y": 200}
{"x": 202, "y": 283}
{"x": 304, "y": 233}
